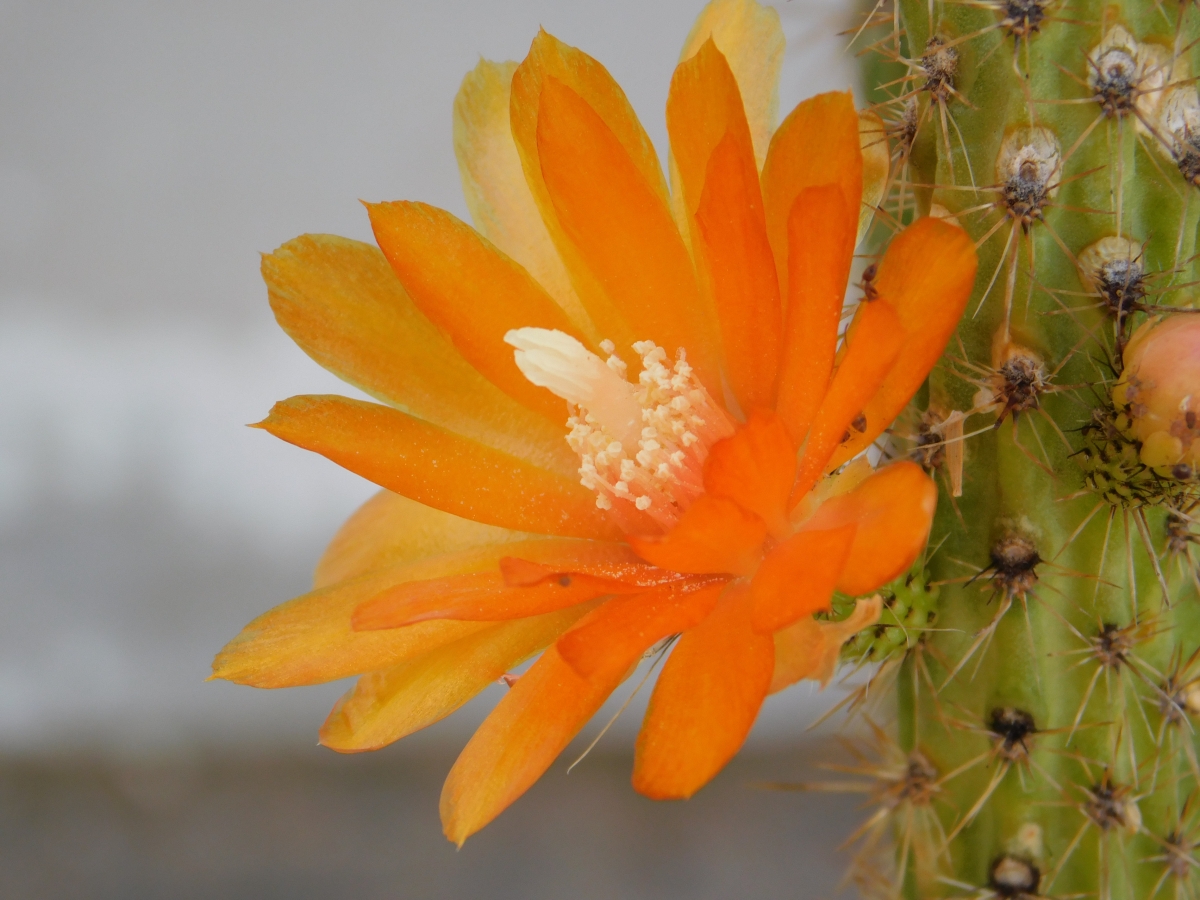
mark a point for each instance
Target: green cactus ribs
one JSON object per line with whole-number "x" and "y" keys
{"x": 1042, "y": 663}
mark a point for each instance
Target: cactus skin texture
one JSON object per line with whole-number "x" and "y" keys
{"x": 1045, "y": 656}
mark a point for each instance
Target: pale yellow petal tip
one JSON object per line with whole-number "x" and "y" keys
{"x": 750, "y": 36}
{"x": 872, "y": 135}
{"x": 866, "y": 613}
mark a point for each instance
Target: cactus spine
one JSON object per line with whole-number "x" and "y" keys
{"x": 1046, "y": 721}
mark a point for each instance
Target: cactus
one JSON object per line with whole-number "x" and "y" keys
{"x": 1046, "y": 655}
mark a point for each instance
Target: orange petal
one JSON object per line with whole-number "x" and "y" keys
{"x": 714, "y": 536}
{"x": 820, "y": 250}
{"x": 750, "y": 36}
{"x": 797, "y": 577}
{"x": 926, "y": 275}
{"x": 744, "y": 284}
{"x": 494, "y": 186}
{"x": 524, "y": 734}
{"x": 623, "y": 629}
{"x": 810, "y": 649}
{"x": 798, "y": 650}
{"x": 390, "y": 530}
{"x": 893, "y": 510}
{"x": 818, "y": 143}
{"x": 705, "y": 701}
{"x": 622, "y": 229}
{"x": 308, "y": 640}
{"x": 755, "y": 468}
{"x": 549, "y": 57}
{"x": 714, "y": 159}
{"x": 523, "y": 573}
{"x": 340, "y": 301}
{"x": 386, "y": 706}
{"x": 471, "y": 291}
{"x": 872, "y": 346}
{"x": 436, "y": 467}
{"x": 704, "y": 106}
{"x": 481, "y": 597}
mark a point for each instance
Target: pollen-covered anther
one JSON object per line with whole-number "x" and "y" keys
{"x": 641, "y": 445}
{"x": 1014, "y": 877}
{"x": 1014, "y": 564}
{"x": 1027, "y": 166}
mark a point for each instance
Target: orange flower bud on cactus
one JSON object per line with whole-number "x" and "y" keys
{"x": 1160, "y": 388}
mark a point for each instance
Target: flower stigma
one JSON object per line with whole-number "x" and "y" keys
{"x": 640, "y": 445}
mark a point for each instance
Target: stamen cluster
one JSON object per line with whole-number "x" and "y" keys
{"x": 664, "y": 474}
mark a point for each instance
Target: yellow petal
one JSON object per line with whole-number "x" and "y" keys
{"x": 386, "y": 706}
{"x": 877, "y": 161}
{"x": 810, "y": 649}
{"x": 834, "y": 634}
{"x": 308, "y": 640}
{"x": 341, "y": 303}
{"x": 751, "y": 38}
{"x": 390, "y": 530}
{"x": 494, "y": 184}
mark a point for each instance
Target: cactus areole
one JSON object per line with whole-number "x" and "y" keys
{"x": 1046, "y": 652}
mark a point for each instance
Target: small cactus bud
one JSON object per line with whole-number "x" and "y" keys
{"x": 1162, "y": 373}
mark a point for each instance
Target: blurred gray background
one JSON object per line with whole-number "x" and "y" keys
{"x": 148, "y": 153}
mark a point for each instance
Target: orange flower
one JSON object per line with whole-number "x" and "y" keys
{"x": 691, "y": 501}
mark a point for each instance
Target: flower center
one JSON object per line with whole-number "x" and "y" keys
{"x": 640, "y": 445}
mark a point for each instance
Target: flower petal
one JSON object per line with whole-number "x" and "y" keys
{"x": 471, "y": 291}
{"x": 818, "y": 143}
{"x": 438, "y": 468}
{"x": 625, "y": 627}
{"x": 308, "y": 640}
{"x": 811, "y": 649}
{"x": 519, "y": 740}
{"x": 386, "y": 706}
{"x": 713, "y": 162}
{"x": 705, "y": 701}
{"x": 873, "y": 344}
{"x": 714, "y": 536}
{"x": 750, "y": 37}
{"x": 621, "y": 228}
{"x": 798, "y": 577}
{"x": 497, "y": 195}
{"x": 340, "y": 301}
{"x": 798, "y": 652}
{"x": 820, "y": 251}
{"x": 755, "y": 468}
{"x": 877, "y": 163}
{"x": 549, "y": 57}
{"x": 390, "y": 530}
{"x": 480, "y": 597}
{"x": 893, "y": 510}
{"x": 926, "y": 275}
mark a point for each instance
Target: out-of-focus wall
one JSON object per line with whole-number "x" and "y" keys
{"x": 148, "y": 153}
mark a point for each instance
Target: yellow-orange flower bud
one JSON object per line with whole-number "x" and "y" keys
{"x": 1160, "y": 390}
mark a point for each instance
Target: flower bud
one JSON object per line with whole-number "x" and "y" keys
{"x": 1160, "y": 391}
